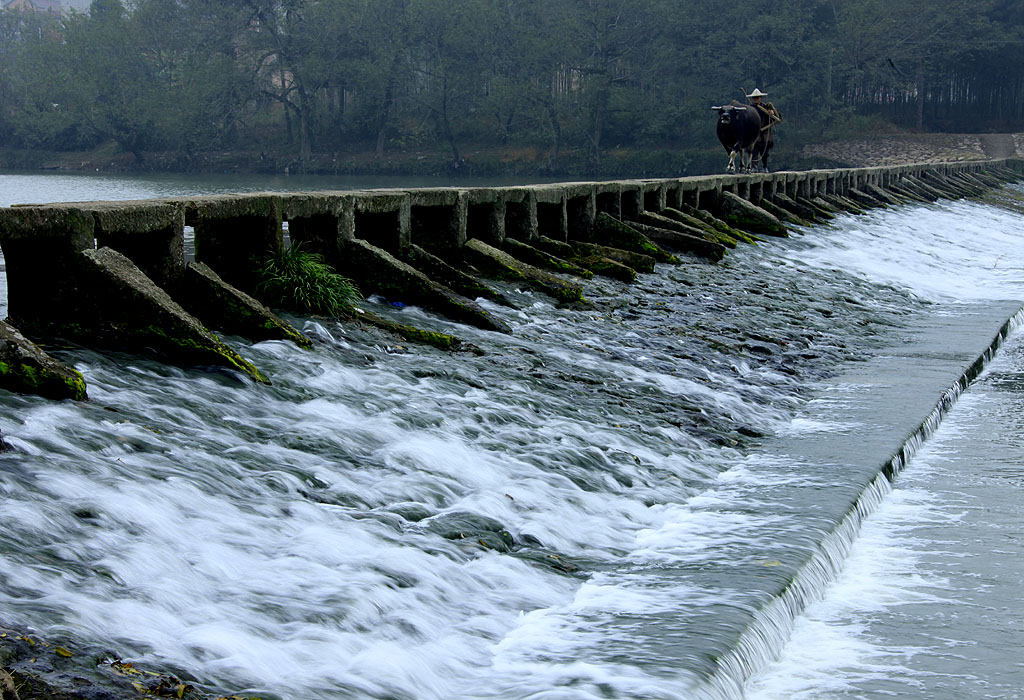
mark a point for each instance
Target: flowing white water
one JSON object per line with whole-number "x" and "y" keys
{"x": 538, "y": 521}
{"x": 928, "y": 602}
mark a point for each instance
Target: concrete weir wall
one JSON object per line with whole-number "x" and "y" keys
{"x": 114, "y": 274}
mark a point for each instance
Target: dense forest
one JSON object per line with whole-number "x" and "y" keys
{"x": 546, "y": 82}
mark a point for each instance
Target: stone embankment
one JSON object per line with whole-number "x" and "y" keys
{"x": 114, "y": 275}
{"x": 917, "y": 148}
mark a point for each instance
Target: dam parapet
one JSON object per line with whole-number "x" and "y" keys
{"x": 115, "y": 274}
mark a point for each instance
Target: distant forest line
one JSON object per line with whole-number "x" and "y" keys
{"x": 535, "y": 80}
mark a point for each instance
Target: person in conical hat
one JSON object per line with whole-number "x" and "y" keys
{"x": 774, "y": 116}
{"x": 773, "y": 112}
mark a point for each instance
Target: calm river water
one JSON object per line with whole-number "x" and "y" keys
{"x": 666, "y": 495}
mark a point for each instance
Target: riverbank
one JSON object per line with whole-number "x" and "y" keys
{"x": 525, "y": 163}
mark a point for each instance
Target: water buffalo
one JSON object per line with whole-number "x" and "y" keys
{"x": 739, "y": 130}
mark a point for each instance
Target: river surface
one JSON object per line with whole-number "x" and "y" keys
{"x": 608, "y": 503}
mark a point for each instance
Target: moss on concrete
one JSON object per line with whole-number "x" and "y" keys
{"x": 445, "y": 274}
{"x": 741, "y": 214}
{"x": 378, "y": 272}
{"x": 503, "y": 266}
{"x": 636, "y": 261}
{"x": 413, "y": 334}
{"x": 611, "y": 232}
{"x": 217, "y": 354}
{"x": 25, "y": 368}
{"x": 219, "y": 305}
{"x": 608, "y": 268}
{"x": 539, "y": 258}
{"x": 122, "y": 309}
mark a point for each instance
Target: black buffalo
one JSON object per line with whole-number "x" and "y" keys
{"x": 739, "y": 130}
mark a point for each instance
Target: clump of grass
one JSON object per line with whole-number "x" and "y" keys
{"x": 301, "y": 281}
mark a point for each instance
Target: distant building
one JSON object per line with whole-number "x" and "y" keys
{"x": 52, "y": 6}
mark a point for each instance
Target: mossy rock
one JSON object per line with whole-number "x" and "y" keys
{"x": 378, "y": 272}
{"x": 228, "y": 309}
{"x": 608, "y": 268}
{"x": 636, "y": 261}
{"x": 538, "y": 258}
{"x": 25, "y": 368}
{"x": 124, "y": 310}
{"x": 611, "y": 232}
{"x": 741, "y": 214}
{"x": 504, "y": 266}
{"x": 413, "y": 334}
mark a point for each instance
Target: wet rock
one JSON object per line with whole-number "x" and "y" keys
{"x": 820, "y": 214}
{"x": 474, "y": 529}
{"x": 218, "y": 305}
{"x": 529, "y": 254}
{"x": 806, "y": 213}
{"x": 607, "y": 267}
{"x": 739, "y": 213}
{"x": 504, "y": 266}
{"x": 864, "y": 198}
{"x": 880, "y": 194}
{"x": 378, "y": 272}
{"x": 611, "y": 232}
{"x": 25, "y": 368}
{"x": 437, "y": 269}
{"x": 635, "y": 261}
{"x": 683, "y": 242}
{"x": 123, "y": 309}
{"x": 444, "y": 341}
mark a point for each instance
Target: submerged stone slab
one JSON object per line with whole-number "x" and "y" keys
{"x": 500, "y": 264}
{"x": 815, "y": 486}
{"x": 378, "y": 272}
{"x": 741, "y": 214}
{"x": 26, "y": 369}
{"x": 124, "y": 310}
{"x": 218, "y": 305}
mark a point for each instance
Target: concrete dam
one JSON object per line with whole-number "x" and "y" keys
{"x": 114, "y": 274}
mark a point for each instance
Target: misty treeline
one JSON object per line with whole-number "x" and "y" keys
{"x": 549, "y": 76}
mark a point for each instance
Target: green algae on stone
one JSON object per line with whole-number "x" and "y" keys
{"x": 379, "y": 272}
{"x": 504, "y": 266}
{"x": 608, "y": 268}
{"x": 25, "y": 368}
{"x": 611, "y": 232}
{"x": 539, "y": 258}
{"x": 741, "y": 214}
{"x": 203, "y": 293}
{"x": 443, "y": 341}
{"x": 445, "y": 274}
{"x": 124, "y": 310}
{"x": 636, "y": 261}
{"x": 683, "y": 242}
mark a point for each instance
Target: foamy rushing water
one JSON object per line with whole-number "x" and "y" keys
{"x": 389, "y": 521}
